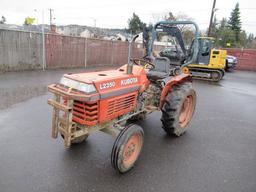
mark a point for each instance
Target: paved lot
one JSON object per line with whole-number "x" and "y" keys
{"x": 218, "y": 153}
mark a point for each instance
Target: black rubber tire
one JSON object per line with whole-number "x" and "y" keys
{"x": 117, "y": 154}
{"x": 172, "y": 108}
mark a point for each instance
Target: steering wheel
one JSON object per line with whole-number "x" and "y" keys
{"x": 143, "y": 63}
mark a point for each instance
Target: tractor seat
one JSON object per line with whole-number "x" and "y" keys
{"x": 161, "y": 70}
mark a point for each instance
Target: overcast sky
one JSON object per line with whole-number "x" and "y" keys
{"x": 115, "y": 13}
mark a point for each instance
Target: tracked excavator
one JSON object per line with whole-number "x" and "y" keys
{"x": 209, "y": 63}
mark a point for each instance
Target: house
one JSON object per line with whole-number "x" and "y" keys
{"x": 71, "y": 30}
{"x": 120, "y": 37}
{"x": 87, "y": 34}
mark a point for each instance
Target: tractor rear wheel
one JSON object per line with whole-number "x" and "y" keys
{"x": 127, "y": 148}
{"x": 178, "y": 109}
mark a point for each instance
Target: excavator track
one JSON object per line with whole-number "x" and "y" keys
{"x": 214, "y": 75}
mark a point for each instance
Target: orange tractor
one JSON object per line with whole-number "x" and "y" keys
{"x": 111, "y": 102}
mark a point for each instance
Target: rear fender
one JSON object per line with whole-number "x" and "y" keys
{"x": 173, "y": 81}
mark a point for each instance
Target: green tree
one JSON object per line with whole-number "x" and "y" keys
{"x": 29, "y": 21}
{"x": 135, "y": 25}
{"x": 223, "y": 23}
{"x": 242, "y": 39}
{"x": 229, "y": 32}
{"x": 251, "y": 41}
{"x": 251, "y": 37}
{"x": 225, "y": 37}
{"x": 3, "y": 20}
{"x": 235, "y": 21}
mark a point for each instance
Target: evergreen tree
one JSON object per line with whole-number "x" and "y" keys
{"x": 223, "y": 23}
{"x": 235, "y": 22}
{"x": 135, "y": 24}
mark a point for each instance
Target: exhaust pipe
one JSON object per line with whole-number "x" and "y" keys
{"x": 130, "y": 63}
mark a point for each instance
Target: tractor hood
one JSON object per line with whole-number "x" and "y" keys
{"x": 94, "y": 77}
{"x": 103, "y": 82}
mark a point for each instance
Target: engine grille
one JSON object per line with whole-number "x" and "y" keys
{"x": 85, "y": 113}
{"x": 121, "y": 105}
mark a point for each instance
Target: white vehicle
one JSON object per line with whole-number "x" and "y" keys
{"x": 231, "y": 62}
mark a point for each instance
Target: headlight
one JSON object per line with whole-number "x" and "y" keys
{"x": 231, "y": 60}
{"x": 86, "y": 88}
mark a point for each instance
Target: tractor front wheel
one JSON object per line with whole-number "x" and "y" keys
{"x": 178, "y": 109}
{"x": 127, "y": 148}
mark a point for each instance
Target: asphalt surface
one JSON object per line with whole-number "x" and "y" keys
{"x": 217, "y": 154}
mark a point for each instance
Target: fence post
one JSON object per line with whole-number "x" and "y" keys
{"x": 85, "y": 52}
{"x": 112, "y": 53}
{"x": 43, "y": 39}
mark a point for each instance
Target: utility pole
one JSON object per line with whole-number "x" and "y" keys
{"x": 95, "y": 21}
{"x": 37, "y": 20}
{"x": 51, "y": 10}
{"x": 210, "y": 25}
{"x": 43, "y": 39}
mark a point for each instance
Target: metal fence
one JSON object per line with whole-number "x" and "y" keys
{"x": 246, "y": 58}
{"x": 20, "y": 50}
{"x": 65, "y": 51}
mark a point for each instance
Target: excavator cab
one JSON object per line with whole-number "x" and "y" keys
{"x": 205, "y": 45}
